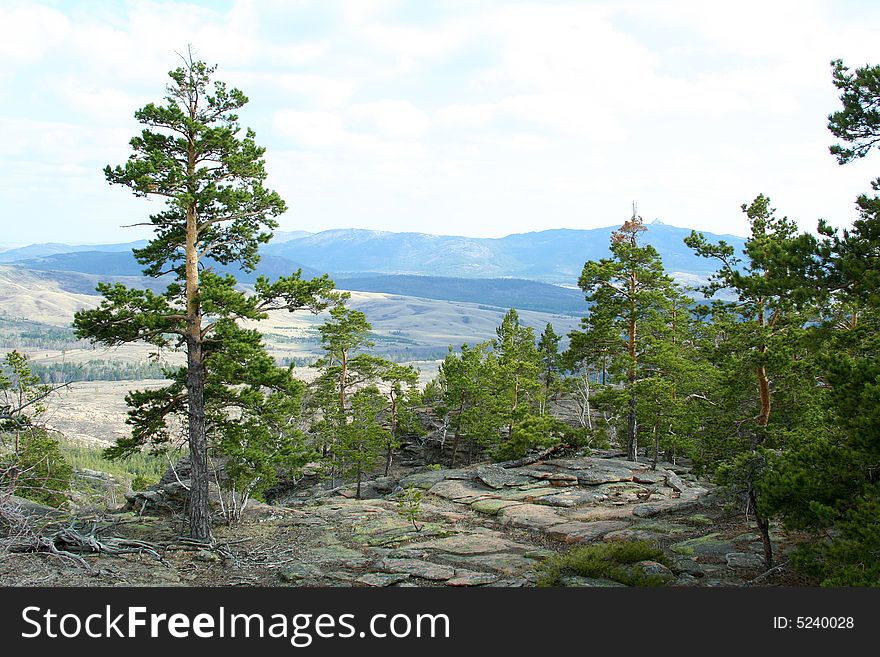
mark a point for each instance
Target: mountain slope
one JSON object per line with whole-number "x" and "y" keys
{"x": 114, "y": 264}
{"x": 53, "y": 248}
{"x": 555, "y": 256}
{"x": 499, "y": 292}
{"x": 419, "y": 264}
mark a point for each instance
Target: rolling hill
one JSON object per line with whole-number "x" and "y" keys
{"x": 552, "y": 256}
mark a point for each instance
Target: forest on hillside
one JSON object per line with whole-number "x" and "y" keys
{"x": 765, "y": 379}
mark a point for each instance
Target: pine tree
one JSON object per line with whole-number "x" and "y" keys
{"x": 827, "y": 483}
{"x": 360, "y": 440}
{"x": 516, "y": 376}
{"x": 402, "y": 382}
{"x": 548, "y": 352}
{"x": 764, "y": 322}
{"x": 467, "y": 401}
{"x": 626, "y": 291}
{"x": 217, "y": 211}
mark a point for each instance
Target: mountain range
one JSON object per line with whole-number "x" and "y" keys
{"x": 535, "y": 270}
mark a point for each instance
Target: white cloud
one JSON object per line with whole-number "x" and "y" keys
{"x": 467, "y": 115}
{"x": 379, "y": 112}
{"x": 310, "y": 89}
{"x": 395, "y": 119}
{"x": 314, "y": 129}
{"x": 29, "y": 31}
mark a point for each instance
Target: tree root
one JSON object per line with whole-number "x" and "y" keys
{"x": 72, "y": 542}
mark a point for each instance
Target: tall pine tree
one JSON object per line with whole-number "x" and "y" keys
{"x": 627, "y": 291}
{"x": 191, "y": 154}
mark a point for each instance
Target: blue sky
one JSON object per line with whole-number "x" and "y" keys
{"x": 467, "y": 117}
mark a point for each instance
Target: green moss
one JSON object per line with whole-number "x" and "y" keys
{"x": 699, "y": 520}
{"x": 612, "y": 561}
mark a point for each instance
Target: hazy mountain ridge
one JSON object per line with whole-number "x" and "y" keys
{"x": 552, "y": 256}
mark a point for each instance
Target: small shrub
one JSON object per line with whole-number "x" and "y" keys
{"x": 605, "y": 560}
{"x": 435, "y": 466}
{"x": 35, "y": 468}
{"x": 143, "y": 482}
{"x": 410, "y": 506}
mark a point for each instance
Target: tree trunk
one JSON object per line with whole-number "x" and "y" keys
{"x": 587, "y": 409}
{"x": 631, "y": 428}
{"x": 360, "y": 476}
{"x": 198, "y": 502}
{"x": 342, "y": 377}
{"x": 656, "y": 448}
{"x": 763, "y": 528}
{"x": 457, "y": 435}
{"x": 454, "y": 448}
{"x": 388, "y": 456}
{"x": 764, "y": 390}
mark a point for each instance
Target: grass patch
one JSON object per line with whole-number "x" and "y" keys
{"x": 143, "y": 465}
{"x": 605, "y": 560}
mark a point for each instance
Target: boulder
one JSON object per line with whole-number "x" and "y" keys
{"x": 654, "y": 568}
{"x": 530, "y": 516}
{"x": 571, "y": 498}
{"x": 497, "y": 477}
{"x": 584, "y": 532}
{"x": 745, "y": 560}
{"x": 459, "y": 491}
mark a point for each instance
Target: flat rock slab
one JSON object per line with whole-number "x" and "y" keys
{"x": 528, "y": 494}
{"x": 662, "y": 527}
{"x": 598, "y": 476}
{"x": 427, "y": 479}
{"x": 693, "y": 492}
{"x": 417, "y": 568}
{"x": 632, "y": 535}
{"x": 530, "y": 516}
{"x": 592, "y": 513}
{"x": 339, "y": 553}
{"x": 471, "y": 544}
{"x": 589, "y": 582}
{"x": 744, "y": 560}
{"x": 584, "y": 532}
{"x": 299, "y": 572}
{"x": 497, "y": 477}
{"x": 459, "y": 491}
{"x": 650, "y": 476}
{"x": 571, "y": 498}
{"x": 423, "y": 480}
{"x": 382, "y": 579}
{"x": 709, "y": 545}
{"x": 505, "y": 563}
{"x": 675, "y": 482}
{"x": 491, "y": 506}
{"x": 649, "y": 509}
{"x": 465, "y": 577}
{"x": 589, "y": 462}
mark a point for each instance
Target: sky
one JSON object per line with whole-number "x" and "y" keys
{"x": 465, "y": 117}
